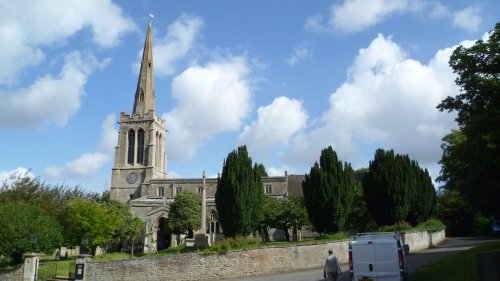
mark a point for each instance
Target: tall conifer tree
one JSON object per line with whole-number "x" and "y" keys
{"x": 239, "y": 196}
{"x": 328, "y": 191}
{"x": 396, "y": 189}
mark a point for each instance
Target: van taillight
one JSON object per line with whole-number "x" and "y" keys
{"x": 400, "y": 255}
{"x": 350, "y": 260}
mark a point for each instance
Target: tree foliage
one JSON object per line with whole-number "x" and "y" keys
{"x": 239, "y": 195}
{"x": 471, "y": 155}
{"x": 396, "y": 189}
{"x": 328, "y": 192}
{"x": 93, "y": 220}
{"x": 18, "y": 222}
{"x": 185, "y": 213}
{"x": 287, "y": 213}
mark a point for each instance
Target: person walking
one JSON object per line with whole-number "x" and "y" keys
{"x": 332, "y": 269}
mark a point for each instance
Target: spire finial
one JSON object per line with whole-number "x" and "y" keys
{"x": 151, "y": 17}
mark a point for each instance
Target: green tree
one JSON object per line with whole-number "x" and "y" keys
{"x": 93, "y": 220}
{"x": 287, "y": 213}
{"x": 239, "y": 195}
{"x": 328, "y": 192}
{"x": 424, "y": 201}
{"x": 185, "y": 213}
{"x": 18, "y": 222}
{"x": 471, "y": 158}
{"x": 387, "y": 187}
{"x": 396, "y": 189}
{"x": 359, "y": 218}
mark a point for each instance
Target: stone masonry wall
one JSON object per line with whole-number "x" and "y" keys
{"x": 12, "y": 275}
{"x": 235, "y": 263}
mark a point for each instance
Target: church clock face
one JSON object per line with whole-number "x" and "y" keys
{"x": 132, "y": 178}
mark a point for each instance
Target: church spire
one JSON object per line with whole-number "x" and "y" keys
{"x": 145, "y": 93}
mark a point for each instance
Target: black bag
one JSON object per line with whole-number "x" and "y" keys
{"x": 324, "y": 274}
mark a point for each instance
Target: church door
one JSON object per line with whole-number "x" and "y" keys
{"x": 162, "y": 236}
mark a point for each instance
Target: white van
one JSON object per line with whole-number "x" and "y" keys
{"x": 377, "y": 256}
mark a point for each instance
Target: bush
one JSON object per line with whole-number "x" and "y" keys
{"x": 432, "y": 225}
{"x": 481, "y": 225}
{"x": 400, "y": 226}
{"x": 334, "y": 236}
{"x": 237, "y": 242}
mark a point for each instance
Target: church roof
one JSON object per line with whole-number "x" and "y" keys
{"x": 145, "y": 93}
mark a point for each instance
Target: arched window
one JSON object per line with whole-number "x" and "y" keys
{"x": 140, "y": 146}
{"x": 214, "y": 222}
{"x": 131, "y": 145}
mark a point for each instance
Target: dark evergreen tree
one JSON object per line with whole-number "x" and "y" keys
{"x": 328, "y": 191}
{"x": 425, "y": 201}
{"x": 386, "y": 187}
{"x": 396, "y": 189}
{"x": 239, "y": 196}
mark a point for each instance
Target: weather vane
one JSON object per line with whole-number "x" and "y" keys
{"x": 151, "y": 16}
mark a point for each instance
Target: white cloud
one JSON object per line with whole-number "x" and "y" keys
{"x": 277, "y": 171}
{"x": 6, "y": 176}
{"x": 356, "y": 15}
{"x": 468, "y": 19}
{"x": 109, "y": 135}
{"x": 49, "y": 99}
{"x": 275, "y": 124}
{"x": 175, "y": 45}
{"x": 211, "y": 99}
{"x": 30, "y": 26}
{"x": 299, "y": 53}
{"x": 87, "y": 164}
{"x": 315, "y": 23}
{"x": 388, "y": 101}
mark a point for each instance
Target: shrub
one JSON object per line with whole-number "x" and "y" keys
{"x": 400, "y": 226}
{"x": 432, "y": 225}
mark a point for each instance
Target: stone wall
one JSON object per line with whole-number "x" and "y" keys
{"x": 12, "y": 275}
{"x": 422, "y": 240}
{"x": 235, "y": 263}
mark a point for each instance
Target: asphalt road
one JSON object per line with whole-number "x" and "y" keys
{"x": 414, "y": 260}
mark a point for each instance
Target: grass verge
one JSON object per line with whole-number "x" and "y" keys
{"x": 459, "y": 267}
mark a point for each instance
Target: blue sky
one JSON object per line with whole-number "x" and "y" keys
{"x": 286, "y": 78}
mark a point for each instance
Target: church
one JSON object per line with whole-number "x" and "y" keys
{"x": 139, "y": 177}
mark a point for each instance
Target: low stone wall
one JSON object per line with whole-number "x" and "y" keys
{"x": 12, "y": 275}
{"x": 423, "y": 240}
{"x": 238, "y": 263}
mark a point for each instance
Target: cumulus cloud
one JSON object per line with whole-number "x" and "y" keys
{"x": 299, "y": 53}
{"x": 87, "y": 164}
{"x": 275, "y": 124}
{"x": 468, "y": 19}
{"x": 356, "y": 15}
{"x": 388, "y": 101}
{"x": 6, "y": 176}
{"x": 211, "y": 99}
{"x": 175, "y": 45}
{"x": 49, "y": 99}
{"x": 29, "y": 26}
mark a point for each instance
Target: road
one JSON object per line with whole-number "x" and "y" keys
{"x": 414, "y": 260}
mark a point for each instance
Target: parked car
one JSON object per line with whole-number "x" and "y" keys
{"x": 495, "y": 228}
{"x": 378, "y": 256}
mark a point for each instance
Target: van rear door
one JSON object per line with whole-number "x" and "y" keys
{"x": 386, "y": 260}
{"x": 375, "y": 260}
{"x": 363, "y": 258}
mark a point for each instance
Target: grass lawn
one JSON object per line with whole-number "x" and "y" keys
{"x": 47, "y": 268}
{"x": 459, "y": 267}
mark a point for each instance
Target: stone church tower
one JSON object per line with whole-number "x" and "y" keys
{"x": 140, "y": 153}
{"x": 139, "y": 177}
